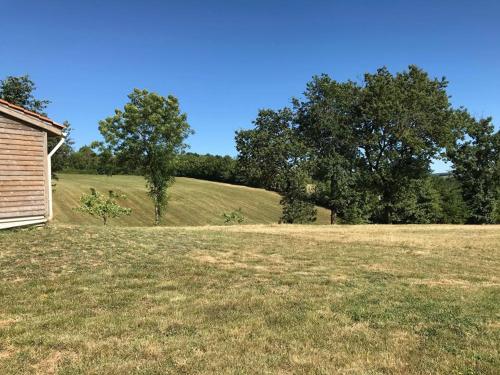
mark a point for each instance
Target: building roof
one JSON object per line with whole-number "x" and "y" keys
{"x": 30, "y": 117}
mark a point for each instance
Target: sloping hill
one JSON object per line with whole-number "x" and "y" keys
{"x": 192, "y": 202}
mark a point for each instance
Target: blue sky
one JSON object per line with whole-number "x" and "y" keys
{"x": 226, "y": 59}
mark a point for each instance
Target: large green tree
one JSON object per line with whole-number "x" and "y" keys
{"x": 476, "y": 166}
{"x": 368, "y": 146}
{"x": 150, "y": 131}
{"x": 453, "y": 207}
{"x": 268, "y": 151}
{"x": 404, "y": 121}
{"x": 271, "y": 155}
{"x": 19, "y": 91}
{"x": 325, "y": 123}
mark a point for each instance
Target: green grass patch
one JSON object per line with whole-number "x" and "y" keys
{"x": 192, "y": 202}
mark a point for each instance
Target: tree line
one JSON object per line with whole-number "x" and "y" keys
{"x": 364, "y": 151}
{"x": 92, "y": 159}
{"x": 361, "y": 149}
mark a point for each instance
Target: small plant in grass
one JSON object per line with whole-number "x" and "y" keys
{"x": 233, "y": 217}
{"x": 102, "y": 206}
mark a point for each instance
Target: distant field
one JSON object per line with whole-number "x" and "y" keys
{"x": 192, "y": 202}
{"x": 250, "y": 300}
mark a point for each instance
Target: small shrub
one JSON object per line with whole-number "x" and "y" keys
{"x": 105, "y": 207}
{"x": 233, "y": 217}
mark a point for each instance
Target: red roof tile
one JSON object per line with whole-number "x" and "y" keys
{"x": 30, "y": 113}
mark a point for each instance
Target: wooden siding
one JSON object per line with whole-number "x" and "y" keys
{"x": 23, "y": 170}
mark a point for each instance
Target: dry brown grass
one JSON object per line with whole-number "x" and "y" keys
{"x": 250, "y": 299}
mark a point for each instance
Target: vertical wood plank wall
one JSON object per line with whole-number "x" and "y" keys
{"x": 23, "y": 174}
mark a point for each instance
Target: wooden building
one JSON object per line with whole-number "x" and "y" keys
{"x": 25, "y": 169}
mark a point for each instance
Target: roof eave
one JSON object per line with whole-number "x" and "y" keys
{"x": 32, "y": 120}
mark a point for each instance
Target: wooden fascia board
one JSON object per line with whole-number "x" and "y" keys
{"x": 31, "y": 120}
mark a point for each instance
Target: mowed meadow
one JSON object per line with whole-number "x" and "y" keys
{"x": 191, "y": 201}
{"x": 250, "y": 299}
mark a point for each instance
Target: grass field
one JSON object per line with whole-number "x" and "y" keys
{"x": 192, "y": 202}
{"x": 250, "y": 299}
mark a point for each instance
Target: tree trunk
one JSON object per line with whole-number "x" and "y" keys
{"x": 333, "y": 217}
{"x": 333, "y": 214}
{"x": 387, "y": 200}
{"x": 388, "y": 215}
{"x": 157, "y": 214}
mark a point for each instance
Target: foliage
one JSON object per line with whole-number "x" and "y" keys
{"x": 476, "y": 159}
{"x": 403, "y": 122}
{"x": 19, "y": 91}
{"x": 367, "y": 149}
{"x": 233, "y": 217}
{"x": 297, "y": 208}
{"x": 99, "y": 159}
{"x": 272, "y": 156}
{"x": 106, "y": 162}
{"x": 453, "y": 208}
{"x": 150, "y": 133}
{"x": 325, "y": 124}
{"x": 85, "y": 160}
{"x": 418, "y": 203}
{"x": 352, "y": 205}
{"x": 104, "y": 207}
{"x": 267, "y": 153}
{"x": 207, "y": 167}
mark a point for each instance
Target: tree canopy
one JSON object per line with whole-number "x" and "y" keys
{"x": 363, "y": 149}
{"x": 19, "y": 91}
{"x": 148, "y": 134}
{"x": 368, "y": 147}
{"x": 476, "y": 159}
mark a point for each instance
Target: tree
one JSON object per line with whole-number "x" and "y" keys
{"x": 268, "y": 151}
{"x": 417, "y": 202}
{"x": 85, "y": 159}
{"x": 272, "y": 156}
{"x": 404, "y": 122}
{"x": 106, "y": 162}
{"x": 326, "y": 124}
{"x": 453, "y": 207}
{"x": 207, "y": 167}
{"x": 151, "y": 131}
{"x": 98, "y": 205}
{"x": 297, "y": 209}
{"x": 476, "y": 166}
{"x": 19, "y": 91}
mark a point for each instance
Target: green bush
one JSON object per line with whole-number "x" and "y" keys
{"x": 233, "y": 217}
{"x": 105, "y": 207}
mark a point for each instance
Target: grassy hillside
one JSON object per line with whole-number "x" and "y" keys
{"x": 192, "y": 202}
{"x": 250, "y": 299}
